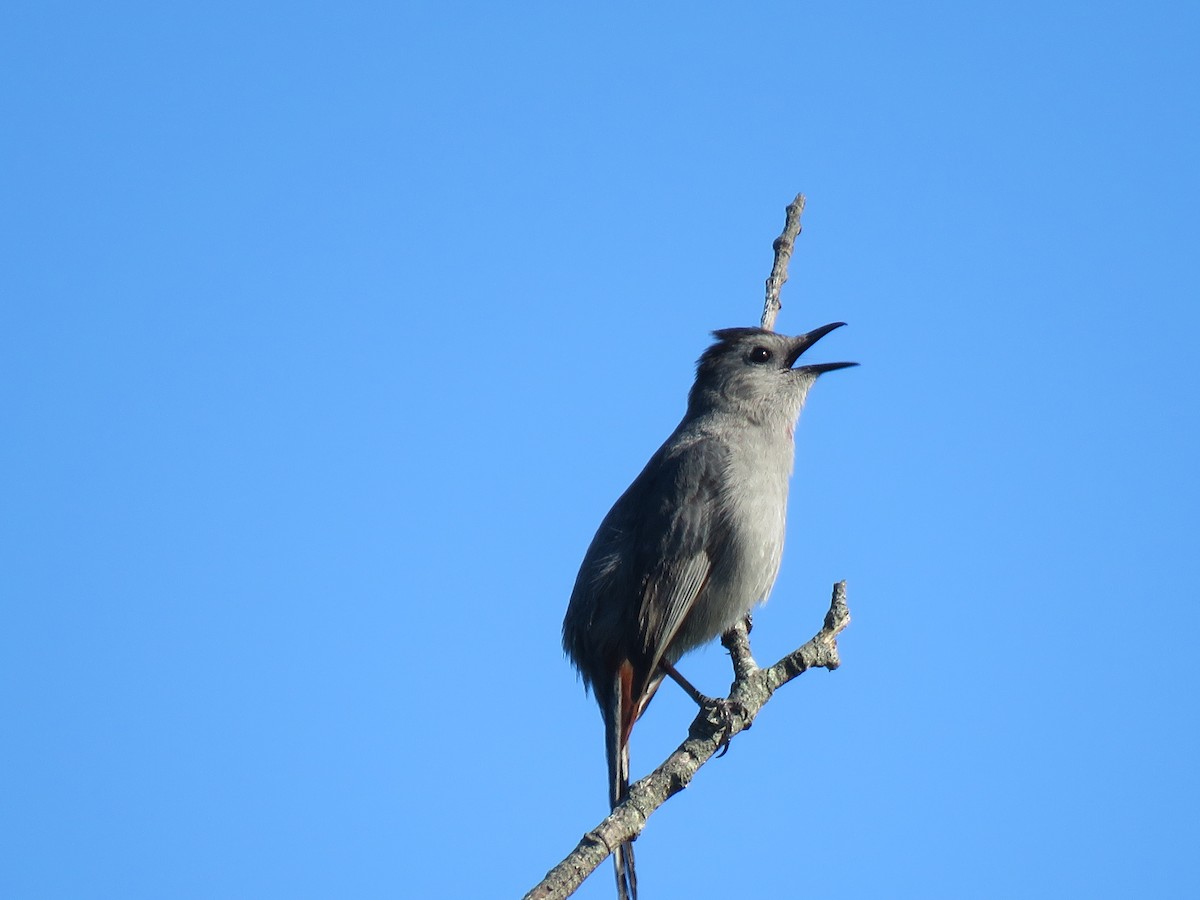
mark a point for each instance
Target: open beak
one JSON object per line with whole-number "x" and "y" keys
{"x": 804, "y": 341}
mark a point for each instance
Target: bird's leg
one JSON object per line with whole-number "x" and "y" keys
{"x": 701, "y": 700}
{"x": 723, "y": 707}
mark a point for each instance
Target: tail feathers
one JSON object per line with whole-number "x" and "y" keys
{"x": 618, "y": 789}
{"x": 626, "y": 875}
{"x": 618, "y": 722}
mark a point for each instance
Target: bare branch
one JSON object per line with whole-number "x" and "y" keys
{"x": 710, "y": 730}
{"x": 783, "y": 253}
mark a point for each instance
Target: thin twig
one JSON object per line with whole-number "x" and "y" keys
{"x": 783, "y": 253}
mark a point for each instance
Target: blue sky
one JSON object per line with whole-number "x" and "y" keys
{"x": 329, "y": 334}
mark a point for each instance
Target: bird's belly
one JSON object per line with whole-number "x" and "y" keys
{"x": 743, "y": 571}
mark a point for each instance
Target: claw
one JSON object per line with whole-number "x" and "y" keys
{"x": 723, "y": 710}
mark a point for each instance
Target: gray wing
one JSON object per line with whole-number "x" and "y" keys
{"x": 687, "y": 535}
{"x": 650, "y": 560}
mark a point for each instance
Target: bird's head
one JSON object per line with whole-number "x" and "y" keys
{"x": 753, "y": 372}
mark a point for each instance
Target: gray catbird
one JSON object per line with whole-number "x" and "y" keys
{"x": 695, "y": 542}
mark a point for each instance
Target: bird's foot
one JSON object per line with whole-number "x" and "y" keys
{"x": 721, "y": 712}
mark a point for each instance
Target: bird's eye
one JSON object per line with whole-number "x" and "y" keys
{"x": 760, "y": 355}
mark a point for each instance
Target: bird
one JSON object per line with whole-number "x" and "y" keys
{"x": 695, "y": 542}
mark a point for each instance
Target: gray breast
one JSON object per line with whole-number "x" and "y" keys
{"x": 755, "y": 489}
